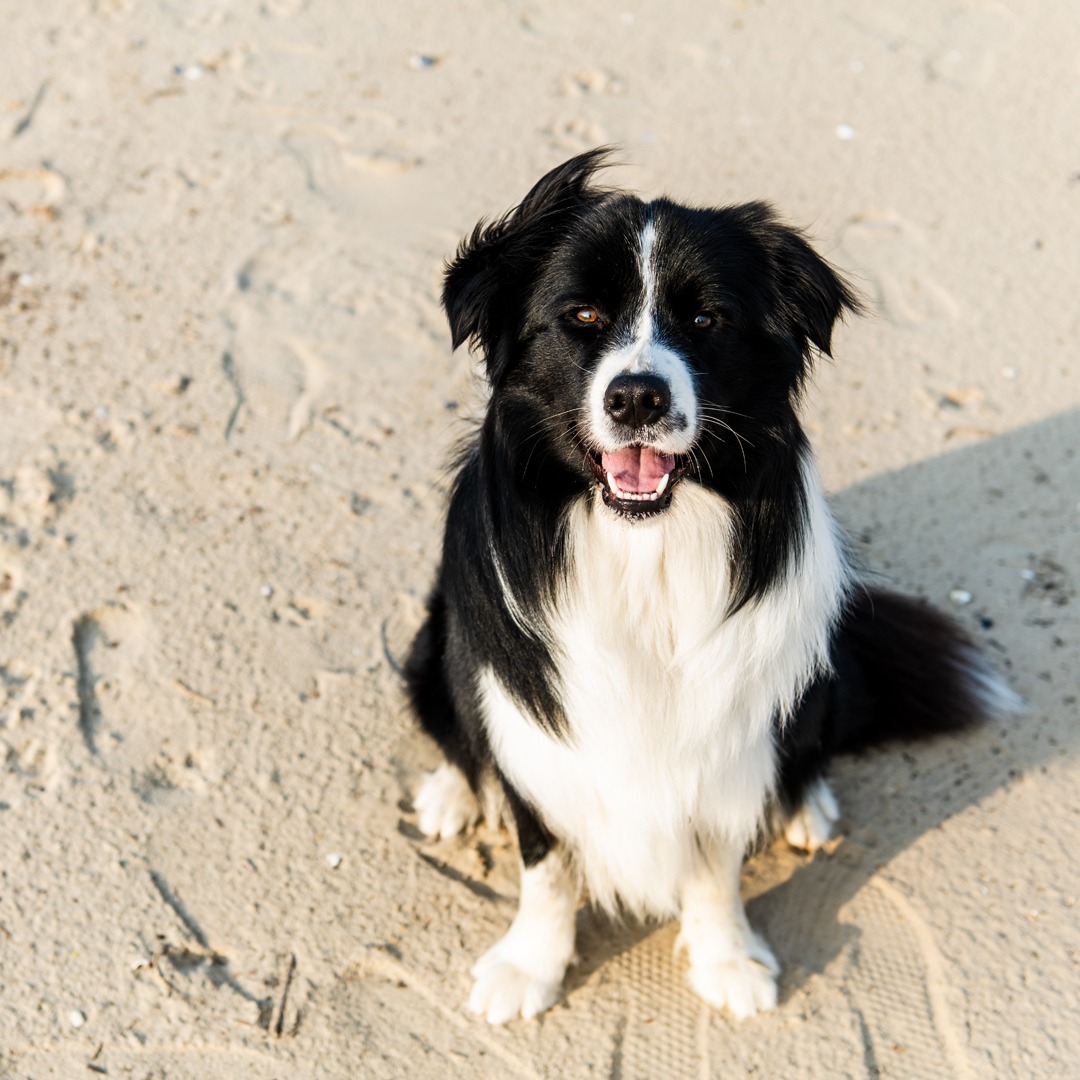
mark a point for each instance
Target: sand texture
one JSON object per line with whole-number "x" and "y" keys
{"x": 226, "y": 398}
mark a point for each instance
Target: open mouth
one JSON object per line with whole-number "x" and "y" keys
{"x": 638, "y": 479}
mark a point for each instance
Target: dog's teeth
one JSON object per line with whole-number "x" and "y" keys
{"x": 636, "y": 496}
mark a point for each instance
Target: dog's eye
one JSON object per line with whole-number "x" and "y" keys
{"x": 589, "y": 316}
{"x": 703, "y": 320}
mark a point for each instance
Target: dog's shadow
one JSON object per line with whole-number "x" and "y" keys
{"x": 984, "y": 531}
{"x": 994, "y": 521}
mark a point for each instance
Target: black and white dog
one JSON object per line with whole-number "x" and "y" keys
{"x": 646, "y": 634}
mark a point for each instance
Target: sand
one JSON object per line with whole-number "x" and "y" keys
{"x": 226, "y": 398}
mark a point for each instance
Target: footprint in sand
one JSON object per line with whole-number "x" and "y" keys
{"x": 893, "y": 254}
{"x": 578, "y": 134}
{"x": 111, "y": 645}
{"x": 274, "y": 378}
{"x": 119, "y": 685}
{"x": 327, "y": 157}
{"x": 665, "y": 1032}
{"x": 897, "y": 984}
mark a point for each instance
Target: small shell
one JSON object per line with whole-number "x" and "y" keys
{"x": 960, "y": 597}
{"x": 333, "y": 860}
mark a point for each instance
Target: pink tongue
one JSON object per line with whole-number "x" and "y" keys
{"x": 638, "y": 469}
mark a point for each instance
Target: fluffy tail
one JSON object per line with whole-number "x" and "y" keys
{"x": 906, "y": 671}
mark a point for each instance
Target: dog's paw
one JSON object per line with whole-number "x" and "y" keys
{"x": 811, "y": 826}
{"x": 508, "y": 985}
{"x": 744, "y": 985}
{"x": 445, "y": 803}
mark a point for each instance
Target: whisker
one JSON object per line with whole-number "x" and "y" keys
{"x": 691, "y": 453}
{"x": 706, "y": 407}
{"x": 741, "y": 440}
{"x": 713, "y": 423}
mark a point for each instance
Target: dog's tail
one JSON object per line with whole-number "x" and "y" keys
{"x": 906, "y": 671}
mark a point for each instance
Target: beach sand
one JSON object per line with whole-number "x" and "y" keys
{"x": 226, "y": 400}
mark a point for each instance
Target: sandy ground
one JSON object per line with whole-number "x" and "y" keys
{"x": 226, "y": 393}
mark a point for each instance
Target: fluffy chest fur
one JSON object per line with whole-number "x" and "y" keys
{"x": 671, "y": 705}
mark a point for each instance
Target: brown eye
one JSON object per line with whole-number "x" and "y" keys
{"x": 587, "y": 315}
{"x": 703, "y": 320}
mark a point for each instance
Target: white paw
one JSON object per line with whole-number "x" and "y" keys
{"x": 445, "y": 803}
{"x": 811, "y": 826}
{"x": 508, "y": 985}
{"x": 743, "y": 984}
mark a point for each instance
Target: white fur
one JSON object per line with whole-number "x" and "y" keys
{"x": 521, "y": 975}
{"x": 670, "y": 704}
{"x": 996, "y": 697}
{"x": 509, "y": 598}
{"x": 730, "y": 966}
{"x": 646, "y": 353}
{"x": 811, "y": 826}
{"x": 445, "y": 803}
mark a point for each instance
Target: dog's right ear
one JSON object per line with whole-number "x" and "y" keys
{"x": 500, "y": 255}
{"x": 471, "y": 281}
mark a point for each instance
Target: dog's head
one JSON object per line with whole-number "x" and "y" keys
{"x": 642, "y": 342}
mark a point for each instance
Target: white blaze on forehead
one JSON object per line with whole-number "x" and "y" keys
{"x": 645, "y": 353}
{"x": 643, "y": 330}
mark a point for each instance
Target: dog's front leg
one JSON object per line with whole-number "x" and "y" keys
{"x": 522, "y": 974}
{"x": 730, "y": 965}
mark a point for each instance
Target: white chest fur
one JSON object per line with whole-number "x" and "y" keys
{"x": 670, "y": 705}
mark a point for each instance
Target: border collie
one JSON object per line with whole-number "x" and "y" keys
{"x": 646, "y": 635}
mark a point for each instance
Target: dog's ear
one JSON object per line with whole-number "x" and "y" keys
{"x": 810, "y": 294}
{"x": 471, "y": 281}
{"x": 500, "y": 255}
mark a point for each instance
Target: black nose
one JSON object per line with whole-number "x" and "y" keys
{"x": 637, "y": 400}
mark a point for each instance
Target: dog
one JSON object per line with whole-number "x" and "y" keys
{"x": 647, "y": 636}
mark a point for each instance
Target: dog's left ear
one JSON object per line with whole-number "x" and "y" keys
{"x": 811, "y": 294}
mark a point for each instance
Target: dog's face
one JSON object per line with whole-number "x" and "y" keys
{"x": 635, "y": 343}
